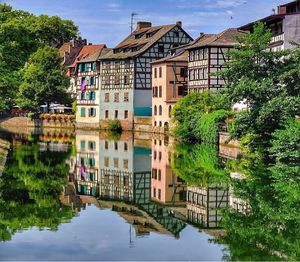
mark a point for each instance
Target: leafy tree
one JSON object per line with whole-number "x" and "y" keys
{"x": 30, "y": 187}
{"x": 21, "y": 34}
{"x": 268, "y": 81}
{"x": 44, "y": 80}
{"x": 188, "y": 111}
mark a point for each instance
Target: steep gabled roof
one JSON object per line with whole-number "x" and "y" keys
{"x": 225, "y": 38}
{"x": 89, "y": 53}
{"x": 143, "y": 38}
{"x": 181, "y": 55}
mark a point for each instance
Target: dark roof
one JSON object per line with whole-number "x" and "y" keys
{"x": 225, "y": 38}
{"x": 179, "y": 56}
{"x": 270, "y": 18}
{"x": 144, "y": 41}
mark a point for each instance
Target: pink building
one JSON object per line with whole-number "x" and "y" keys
{"x": 169, "y": 84}
{"x": 166, "y": 187}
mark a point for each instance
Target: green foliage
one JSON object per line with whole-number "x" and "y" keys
{"x": 30, "y": 187}
{"x": 44, "y": 80}
{"x": 21, "y": 34}
{"x": 269, "y": 83}
{"x": 286, "y": 143}
{"x": 208, "y": 126}
{"x": 114, "y": 125}
{"x": 198, "y": 164}
{"x": 74, "y": 106}
{"x": 188, "y": 112}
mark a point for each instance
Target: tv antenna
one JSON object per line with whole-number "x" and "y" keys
{"x": 132, "y": 15}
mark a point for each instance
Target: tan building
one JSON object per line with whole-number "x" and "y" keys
{"x": 169, "y": 84}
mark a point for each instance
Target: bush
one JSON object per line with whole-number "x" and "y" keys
{"x": 114, "y": 125}
{"x": 189, "y": 110}
{"x": 208, "y": 126}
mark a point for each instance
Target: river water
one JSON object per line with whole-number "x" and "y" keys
{"x": 103, "y": 196}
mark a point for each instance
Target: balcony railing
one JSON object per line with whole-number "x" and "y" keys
{"x": 277, "y": 38}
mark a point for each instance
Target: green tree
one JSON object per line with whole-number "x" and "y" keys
{"x": 267, "y": 81}
{"x": 188, "y": 111}
{"x": 21, "y": 34}
{"x": 44, "y": 80}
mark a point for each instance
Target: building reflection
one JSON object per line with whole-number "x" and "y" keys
{"x": 166, "y": 187}
{"x": 205, "y": 203}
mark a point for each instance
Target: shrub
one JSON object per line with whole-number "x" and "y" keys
{"x": 114, "y": 125}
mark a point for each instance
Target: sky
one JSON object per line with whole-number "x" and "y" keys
{"x": 108, "y": 21}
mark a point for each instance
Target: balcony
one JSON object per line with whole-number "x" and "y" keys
{"x": 86, "y": 102}
{"x": 277, "y": 39}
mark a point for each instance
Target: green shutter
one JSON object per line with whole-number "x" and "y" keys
{"x": 82, "y": 145}
{"x": 82, "y": 112}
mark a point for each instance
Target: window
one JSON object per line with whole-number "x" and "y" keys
{"x": 82, "y": 96}
{"x": 125, "y": 146}
{"x": 159, "y": 156}
{"x": 92, "y": 95}
{"x": 116, "y": 114}
{"x": 170, "y": 111}
{"x": 180, "y": 90}
{"x": 161, "y": 49}
{"x": 106, "y": 97}
{"x": 126, "y": 97}
{"x": 159, "y": 175}
{"x": 176, "y": 34}
{"x": 116, "y": 145}
{"x": 160, "y": 72}
{"x": 106, "y": 114}
{"x": 155, "y": 123}
{"x": 126, "y": 80}
{"x": 117, "y": 80}
{"x": 154, "y": 192}
{"x": 155, "y": 72}
{"x": 116, "y": 162}
{"x": 154, "y": 155}
{"x": 159, "y": 194}
{"x": 82, "y": 145}
{"x": 94, "y": 66}
{"x": 160, "y": 91}
{"x": 116, "y": 97}
{"x": 155, "y": 91}
{"x": 92, "y": 112}
{"x": 183, "y": 72}
{"x": 160, "y": 124}
{"x": 106, "y": 144}
{"x": 126, "y": 114}
{"x": 191, "y": 74}
{"x": 155, "y": 110}
{"x": 92, "y": 145}
{"x": 125, "y": 163}
{"x": 92, "y": 162}
{"x": 106, "y": 161}
{"x": 160, "y": 110}
{"x": 82, "y": 112}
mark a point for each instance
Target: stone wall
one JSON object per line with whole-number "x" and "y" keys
{"x": 142, "y": 124}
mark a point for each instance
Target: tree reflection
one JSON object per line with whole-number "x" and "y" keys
{"x": 271, "y": 229}
{"x": 30, "y": 187}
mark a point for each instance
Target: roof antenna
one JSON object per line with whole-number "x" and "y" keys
{"x": 132, "y": 15}
{"x": 274, "y": 11}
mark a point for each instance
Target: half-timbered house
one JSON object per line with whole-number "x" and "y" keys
{"x": 283, "y": 25}
{"x": 126, "y": 71}
{"x": 207, "y": 56}
{"x": 87, "y": 85}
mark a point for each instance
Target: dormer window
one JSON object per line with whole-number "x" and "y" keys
{"x": 138, "y": 36}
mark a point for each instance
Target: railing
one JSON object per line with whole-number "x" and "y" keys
{"x": 277, "y": 38}
{"x": 86, "y": 101}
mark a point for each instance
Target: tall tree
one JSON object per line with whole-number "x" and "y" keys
{"x": 21, "y": 34}
{"x": 44, "y": 80}
{"x": 268, "y": 81}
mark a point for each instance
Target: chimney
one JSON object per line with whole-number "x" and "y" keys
{"x": 281, "y": 10}
{"x": 141, "y": 25}
{"x": 179, "y": 23}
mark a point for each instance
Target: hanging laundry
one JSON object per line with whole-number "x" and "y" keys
{"x": 83, "y": 85}
{"x": 82, "y": 172}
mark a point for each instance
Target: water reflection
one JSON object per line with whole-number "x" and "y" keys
{"x": 158, "y": 186}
